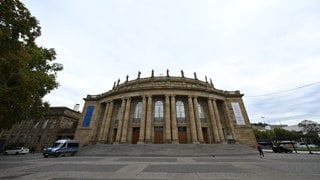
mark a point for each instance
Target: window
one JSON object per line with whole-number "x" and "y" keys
{"x": 118, "y": 114}
{"x": 45, "y": 124}
{"x": 181, "y": 115}
{"x": 158, "y": 111}
{"x": 201, "y": 112}
{"x": 53, "y": 124}
{"x": 36, "y": 125}
{"x": 137, "y": 111}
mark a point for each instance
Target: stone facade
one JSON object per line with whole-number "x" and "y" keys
{"x": 58, "y": 123}
{"x": 165, "y": 109}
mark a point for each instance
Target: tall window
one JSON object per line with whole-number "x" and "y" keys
{"x": 201, "y": 112}
{"x": 137, "y": 112}
{"x": 158, "y": 111}
{"x": 45, "y": 124}
{"x": 118, "y": 114}
{"x": 181, "y": 115}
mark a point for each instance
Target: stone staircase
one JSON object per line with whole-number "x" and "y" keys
{"x": 170, "y": 150}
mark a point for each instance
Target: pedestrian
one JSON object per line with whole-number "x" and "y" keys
{"x": 260, "y": 150}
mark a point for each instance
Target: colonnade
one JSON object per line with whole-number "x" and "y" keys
{"x": 170, "y": 121}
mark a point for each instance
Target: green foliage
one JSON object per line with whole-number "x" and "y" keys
{"x": 27, "y": 71}
{"x": 276, "y": 134}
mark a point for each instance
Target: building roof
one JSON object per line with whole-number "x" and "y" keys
{"x": 164, "y": 83}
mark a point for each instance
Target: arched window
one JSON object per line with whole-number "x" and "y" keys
{"x": 158, "y": 111}
{"x": 201, "y": 112}
{"x": 181, "y": 115}
{"x": 137, "y": 112}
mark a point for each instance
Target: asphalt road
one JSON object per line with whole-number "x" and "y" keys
{"x": 272, "y": 166}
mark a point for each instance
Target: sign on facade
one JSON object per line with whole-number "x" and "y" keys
{"x": 237, "y": 113}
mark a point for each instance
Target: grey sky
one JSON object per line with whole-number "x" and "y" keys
{"x": 257, "y": 47}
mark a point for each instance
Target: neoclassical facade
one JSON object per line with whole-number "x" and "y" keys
{"x": 165, "y": 109}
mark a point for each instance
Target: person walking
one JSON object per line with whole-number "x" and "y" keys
{"x": 259, "y": 147}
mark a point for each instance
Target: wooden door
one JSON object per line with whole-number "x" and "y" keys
{"x": 158, "y": 135}
{"x": 115, "y": 130}
{"x": 182, "y": 133}
{"x": 135, "y": 135}
{"x": 205, "y": 135}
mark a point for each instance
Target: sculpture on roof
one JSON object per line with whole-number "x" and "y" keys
{"x": 139, "y": 73}
{"x": 195, "y": 76}
{"x": 182, "y": 74}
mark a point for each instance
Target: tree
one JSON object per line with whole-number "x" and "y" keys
{"x": 310, "y": 127}
{"x": 27, "y": 71}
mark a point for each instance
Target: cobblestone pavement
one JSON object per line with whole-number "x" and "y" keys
{"x": 272, "y": 166}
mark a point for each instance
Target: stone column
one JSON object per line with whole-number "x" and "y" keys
{"x": 125, "y": 122}
{"x": 107, "y": 124}
{"x": 227, "y": 112}
{"x": 194, "y": 137}
{"x": 216, "y": 112}
{"x": 149, "y": 121}
{"x": 120, "y": 123}
{"x": 101, "y": 138}
{"x": 142, "y": 121}
{"x": 197, "y": 119}
{"x": 213, "y": 122}
{"x": 174, "y": 127}
{"x": 167, "y": 119}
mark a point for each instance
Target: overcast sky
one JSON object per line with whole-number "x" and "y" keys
{"x": 269, "y": 50}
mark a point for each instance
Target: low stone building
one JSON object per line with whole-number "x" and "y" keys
{"x": 58, "y": 123}
{"x": 165, "y": 109}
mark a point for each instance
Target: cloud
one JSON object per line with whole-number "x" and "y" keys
{"x": 257, "y": 47}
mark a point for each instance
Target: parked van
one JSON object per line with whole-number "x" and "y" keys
{"x": 61, "y": 148}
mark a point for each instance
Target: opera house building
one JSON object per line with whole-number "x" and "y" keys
{"x": 165, "y": 110}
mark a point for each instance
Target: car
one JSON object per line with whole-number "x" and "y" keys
{"x": 17, "y": 150}
{"x": 281, "y": 149}
{"x": 62, "y": 147}
{"x": 303, "y": 145}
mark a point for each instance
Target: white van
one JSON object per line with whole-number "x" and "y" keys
{"x": 61, "y": 148}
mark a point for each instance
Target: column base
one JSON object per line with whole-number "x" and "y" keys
{"x": 148, "y": 142}
{"x": 140, "y": 142}
{"x": 102, "y": 142}
{"x": 175, "y": 141}
{"x": 195, "y": 142}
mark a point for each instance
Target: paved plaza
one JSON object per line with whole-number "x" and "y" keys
{"x": 272, "y": 166}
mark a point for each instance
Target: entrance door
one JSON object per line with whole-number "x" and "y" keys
{"x": 115, "y": 130}
{"x": 205, "y": 135}
{"x": 182, "y": 133}
{"x": 158, "y": 135}
{"x": 135, "y": 135}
